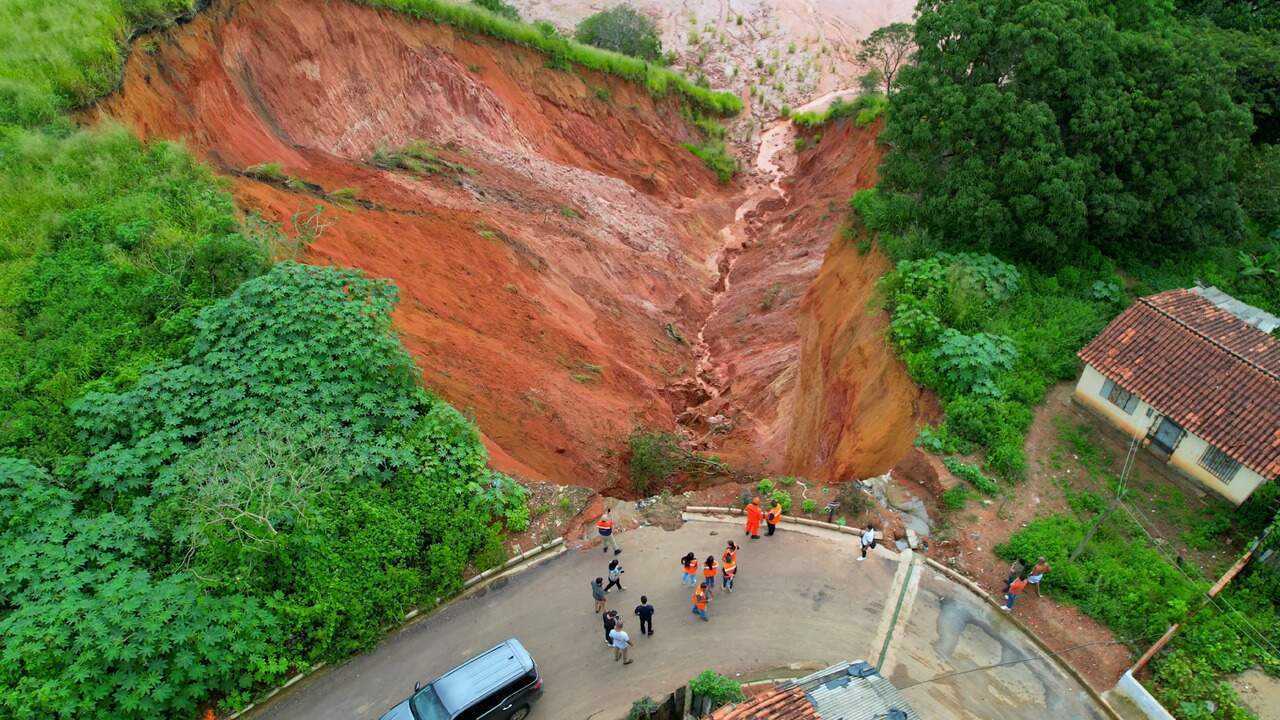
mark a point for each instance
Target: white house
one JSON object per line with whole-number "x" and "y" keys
{"x": 1193, "y": 374}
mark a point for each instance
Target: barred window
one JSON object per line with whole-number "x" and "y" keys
{"x": 1219, "y": 463}
{"x": 1119, "y": 397}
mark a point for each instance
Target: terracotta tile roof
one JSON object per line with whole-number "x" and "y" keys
{"x": 772, "y": 705}
{"x": 1201, "y": 366}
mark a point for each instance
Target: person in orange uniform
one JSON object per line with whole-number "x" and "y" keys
{"x": 689, "y": 563}
{"x": 754, "y": 514}
{"x": 709, "y": 574}
{"x": 605, "y": 527}
{"x": 729, "y": 565}
{"x": 772, "y": 517}
{"x": 700, "y": 602}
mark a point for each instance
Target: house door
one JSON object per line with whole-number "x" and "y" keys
{"x": 1166, "y": 436}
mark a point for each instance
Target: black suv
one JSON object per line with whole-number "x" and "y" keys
{"x": 499, "y": 684}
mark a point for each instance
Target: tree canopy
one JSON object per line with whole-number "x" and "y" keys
{"x": 622, "y": 29}
{"x": 1039, "y": 129}
{"x": 885, "y": 50}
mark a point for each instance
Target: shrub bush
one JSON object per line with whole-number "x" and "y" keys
{"x": 808, "y": 506}
{"x": 783, "y": 498}
{"x": 955, "y": 498}
{"x": 972, "y": 474}
{"x": 715, "y": 154}
{"x": 717, "y": 688}
{"x": 765, "y": 488}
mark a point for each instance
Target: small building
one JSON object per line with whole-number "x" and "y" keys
{"x": 1195, "y": 376}
{"x": 844, "y": 691}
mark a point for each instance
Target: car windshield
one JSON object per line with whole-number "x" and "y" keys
{"x": 426, "y": 706}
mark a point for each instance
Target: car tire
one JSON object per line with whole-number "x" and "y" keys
{"x": 521, "y": 713}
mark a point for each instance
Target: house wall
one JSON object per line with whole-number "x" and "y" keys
{"x": 1089, "y": 393}
{"x": 1186, "y": 456}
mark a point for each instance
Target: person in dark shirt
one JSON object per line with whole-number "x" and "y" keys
{"x": 644, "y": 611}
{"x": 610, "y": 622}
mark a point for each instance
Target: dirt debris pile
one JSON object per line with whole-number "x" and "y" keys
{"x": 567, "y": 270}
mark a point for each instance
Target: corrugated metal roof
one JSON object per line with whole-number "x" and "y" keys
{"x": 1261, "y": 319}
{"x": 1202, "y": 367}
{"x": 844, "y": 691}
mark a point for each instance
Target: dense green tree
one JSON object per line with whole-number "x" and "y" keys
{"x": 622, "y": 29}
{"x": 1036, "y": 129}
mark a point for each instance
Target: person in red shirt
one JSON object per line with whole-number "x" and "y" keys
{"x": 754, "y": 515}
{"x": 605, "y": 527}
{"x": 1015, "y": 589}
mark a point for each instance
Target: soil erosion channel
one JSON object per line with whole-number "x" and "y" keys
{"x": 567, "y": 270}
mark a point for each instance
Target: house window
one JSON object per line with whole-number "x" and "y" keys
{"x": 1119, "y": 397}
{"x": 1219, "y": 463}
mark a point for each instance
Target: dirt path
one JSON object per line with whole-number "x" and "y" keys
{"x": 979, "y": 528}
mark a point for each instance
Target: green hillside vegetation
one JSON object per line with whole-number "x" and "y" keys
{"x": 214, "y": 471}
{"x": 1048, "y": 161}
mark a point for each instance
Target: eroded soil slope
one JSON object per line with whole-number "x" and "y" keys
{"x": 558, "y": 253}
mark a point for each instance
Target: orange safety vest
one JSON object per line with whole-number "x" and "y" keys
{"x": 730, "y": 567}
{"x": 775, "y": 513}
{"x": 691, "y": 567}
{"x": 605, "y": 526}
{"x": 700, "y": 599}
{"x": 729, "y": 557}
{"x": 709, "y": 571}
{"x": 1016, "y": 586}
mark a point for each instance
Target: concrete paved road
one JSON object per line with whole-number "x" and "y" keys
{"x": 800, "y": 598}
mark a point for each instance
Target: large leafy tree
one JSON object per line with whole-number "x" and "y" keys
{"x": 622, "y": 29}
{"x": 1038, "y": 129}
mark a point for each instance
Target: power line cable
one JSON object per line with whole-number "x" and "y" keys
{"x": 1257, "y": 637}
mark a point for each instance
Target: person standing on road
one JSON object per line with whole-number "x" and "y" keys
{"x": 689, "y": 563}
{"x": 1037, "y": 573}
{"x": 610, "y": 622}
{"x": 604, "y": 526}
{"x": 709, "y": 574}
{"x": 644, "y": 611}
{"x": 615, "y": 576}
{"x": 729, "y": 557}
{"x": 700, "y": 602}
{"x": 621, "y": 643}
{"x": 730, "y": 568}
{"x": 597, "y": 593}
{"x": 1015, "y": 589}
{"x": 773, "y": 516}
{"x": 868, "y": 541}
{"x": 754, "y": 514}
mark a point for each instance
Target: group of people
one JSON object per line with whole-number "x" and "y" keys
{"x": 1019, "y": 578}
{"x": 704, "y": 589}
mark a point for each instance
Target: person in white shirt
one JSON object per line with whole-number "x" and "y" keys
{"x": 868, "y": 541}
{"x": 621, "y": 642}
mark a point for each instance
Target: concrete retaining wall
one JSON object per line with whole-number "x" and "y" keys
{"x": 1129, "y": 687}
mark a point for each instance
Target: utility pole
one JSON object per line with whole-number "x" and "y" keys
{"x": 1226, "y": 578}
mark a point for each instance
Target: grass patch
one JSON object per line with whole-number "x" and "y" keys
{"x": 659, "y": 80}
{"x": 419, "y": 157}
{"x": 864, "y": 110}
